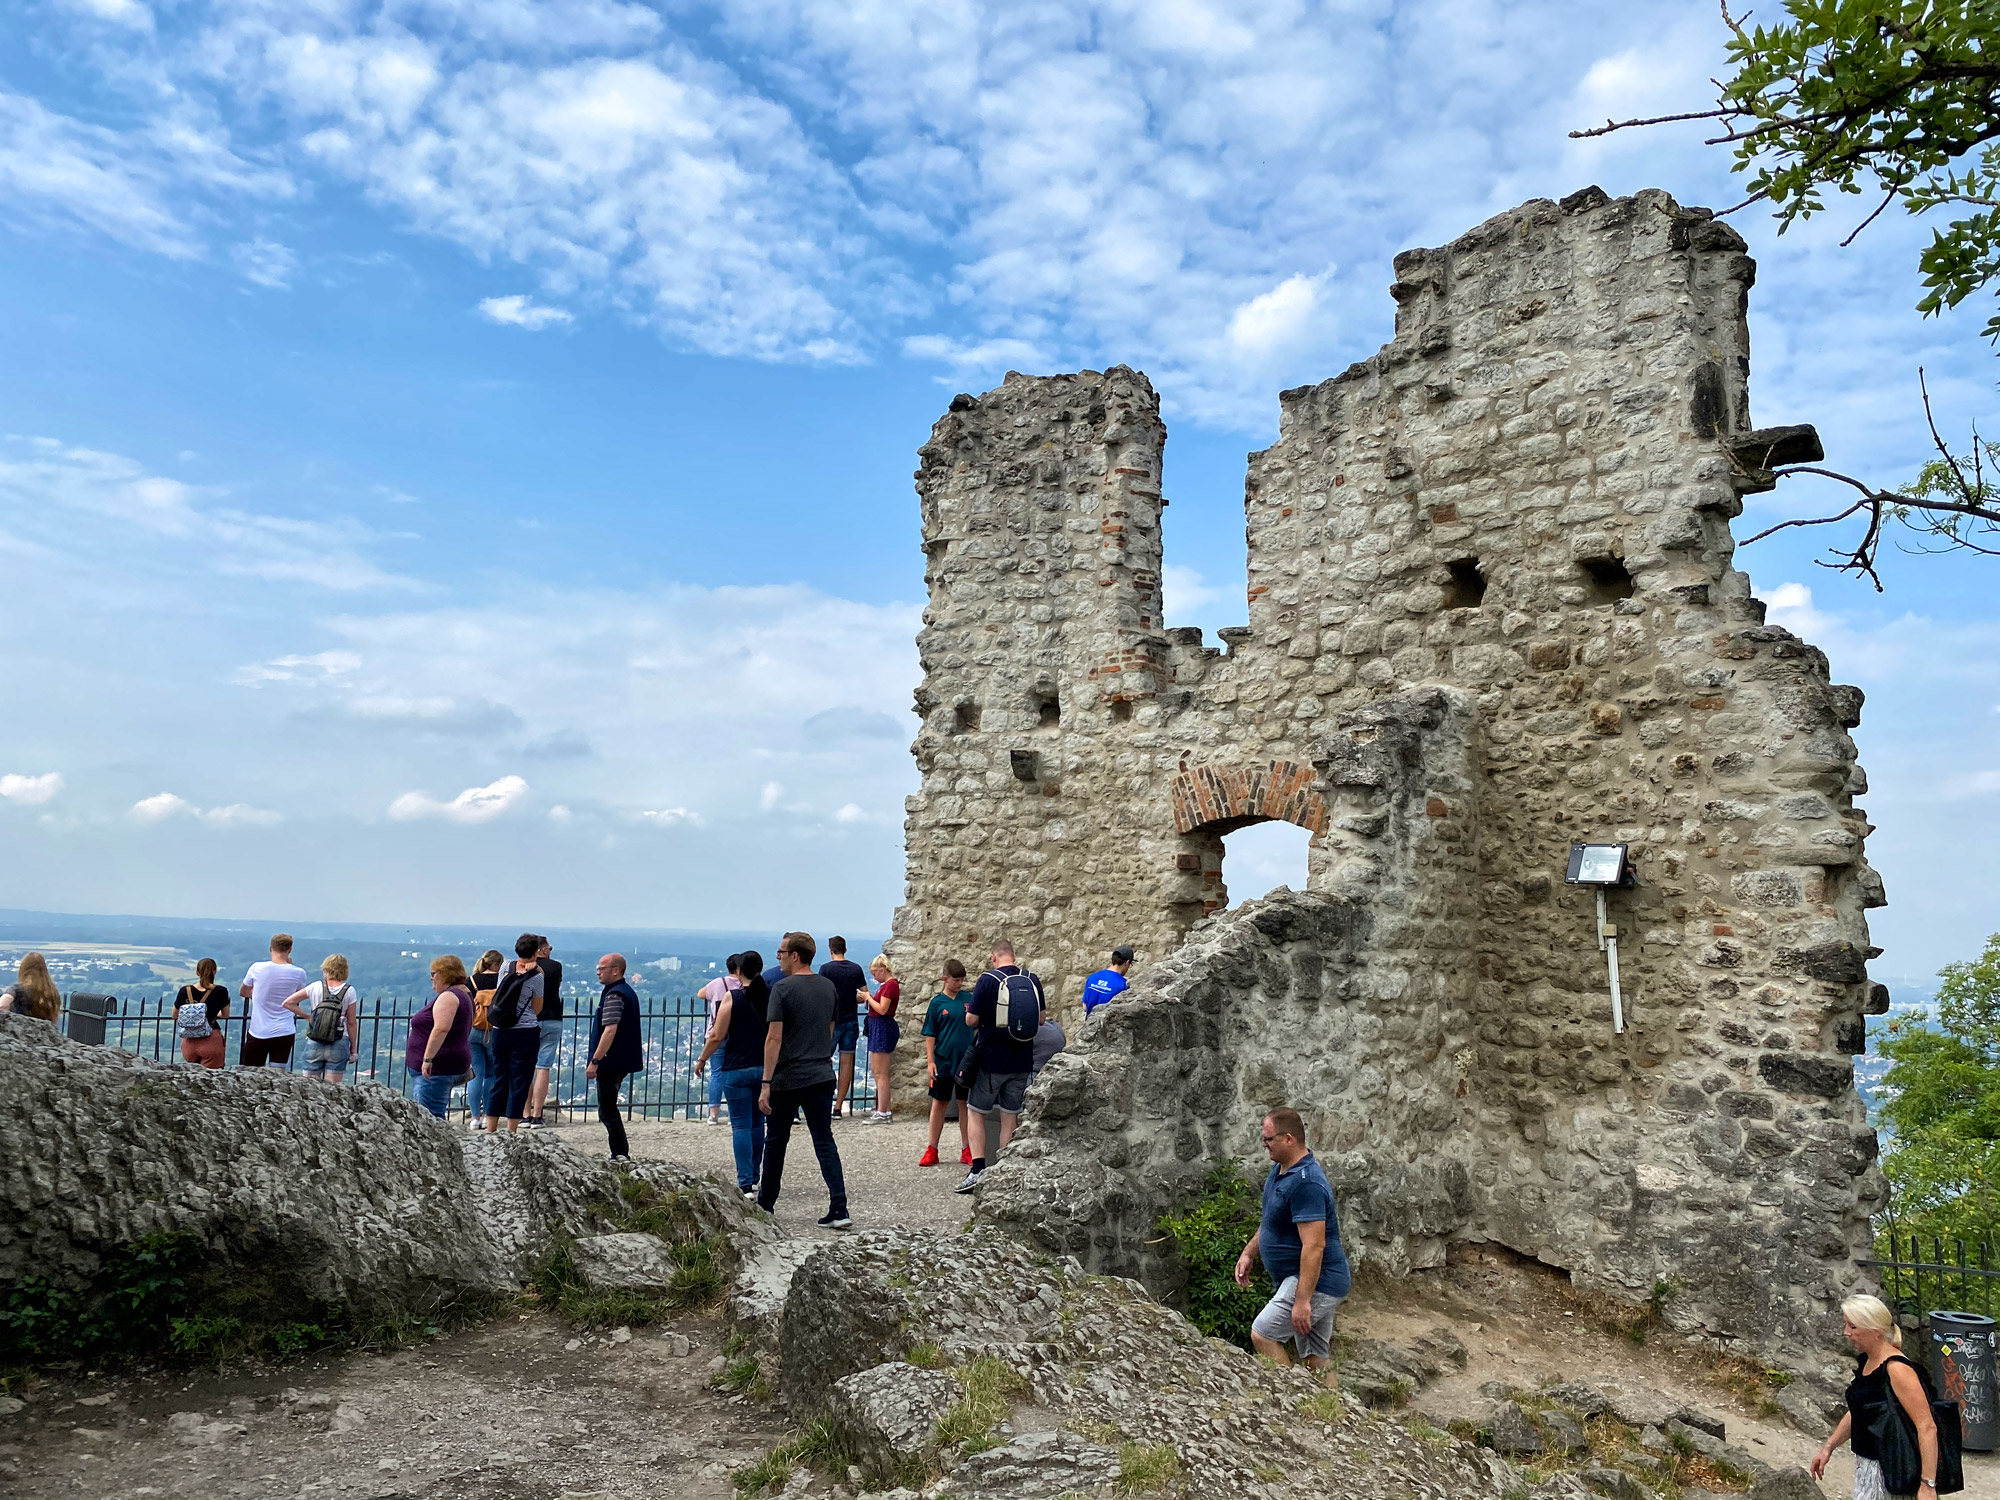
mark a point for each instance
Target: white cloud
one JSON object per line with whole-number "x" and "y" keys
{"x": 1790, "y": 605}
{"x": 476, "y": 804}
{"x": 159, "y": 806}
{"x": 33, "y": 791}
{"x": 318, "y": 666}
{"x": 119, "y": 12}
{"x": 850, "y": 813}
{"x": 521, "y": 312}
{"x": 265, "y": 262}
{"x": 94, "y": 508}
{"x": 1275, "y": 321}
{"x": 667, "y": 817}
{"x": 163, "y": 805}
{"x": 1183, "y": 590}
{"x": 769, "y": 797}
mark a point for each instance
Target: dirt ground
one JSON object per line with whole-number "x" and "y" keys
{"x": 525, "y": 1408}
{"x": 518, "y": 1408}
{"x": 1525, "y": 1325}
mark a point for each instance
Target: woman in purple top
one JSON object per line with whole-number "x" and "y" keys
{"x": 439, "y": 1053}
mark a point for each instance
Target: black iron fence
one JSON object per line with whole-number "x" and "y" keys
{"x": 1925, "y": 1272}
{"x": 672, "y": 1031}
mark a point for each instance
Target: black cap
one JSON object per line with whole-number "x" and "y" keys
{"x": 1121, "y": 955}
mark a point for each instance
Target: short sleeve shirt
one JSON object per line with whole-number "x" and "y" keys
{"x": 1100, "y": 987}
{"x": 945, "y": 1020}
{"x": 849, "y": 981}
{"x": 271, "y": 985}
{"x": 1295, "y": 1195}
{"x": 533, "y": 987}
{"x": 804, "y": 1004}
{"x": 999, "y": 1052}
{"x": 715, "y": 989}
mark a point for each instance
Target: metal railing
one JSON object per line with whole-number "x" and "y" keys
{"x": 1950, "y": 1278}
{"x": 672, "y": 1031}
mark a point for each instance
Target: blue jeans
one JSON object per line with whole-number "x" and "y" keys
{"x": 434, "y": 1094}
{"x": 482, "y": 1074}
{"x": 715, "y": 1088}
{"x": 746, "y": 1121}
{"x": 514, "y": 1053}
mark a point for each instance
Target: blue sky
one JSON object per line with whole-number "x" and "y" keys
{"x": 455, "y": 454}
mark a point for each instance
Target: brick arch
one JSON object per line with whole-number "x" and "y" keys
{"x": 1281, "y": 789}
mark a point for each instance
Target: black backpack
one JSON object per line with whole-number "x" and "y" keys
{"x": 325, "y": 1022}
{"x": 1018, "y": 1005}
{"x": 1896, "y": 1440}
{"x": 505, "y": 1011}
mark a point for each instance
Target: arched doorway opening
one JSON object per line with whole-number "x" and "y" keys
{"x": 1223, "y": 802}
{"x": 1260, "y": 857}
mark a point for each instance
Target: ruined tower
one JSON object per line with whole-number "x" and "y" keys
{"x": 1491, "y": 613}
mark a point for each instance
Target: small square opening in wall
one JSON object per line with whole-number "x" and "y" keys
{"x": 1048, "y": 711}
{"x": 965, "y": 718}
{"x": 1609, "y": 581}
{"x": 1467, "y": 589}
{"x": 1121, "y": 711}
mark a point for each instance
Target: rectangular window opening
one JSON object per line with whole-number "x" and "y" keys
{"x": 1468, "y": 585}
{"x": 1609, "y": 581}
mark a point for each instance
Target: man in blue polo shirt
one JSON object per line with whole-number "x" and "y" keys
{"x": 1299, "y": 1240}
{"x": 1105, "y": 983}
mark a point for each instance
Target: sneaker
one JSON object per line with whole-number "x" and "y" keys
{"x": 749, "y": 1193}
{"x": 616, "y": 1157}
{"x": 836, "y": 1111}
{"x": 534, "y": 1123}
{"x": 929, "y": 1158}
{"x": 972, "y": 1180}
{"x": 832, "y": 1220}
{"x": 965, "y": 1156}
{"x": 880, "y": 1117}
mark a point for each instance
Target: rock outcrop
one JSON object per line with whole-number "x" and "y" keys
{"x": 300, "y": 1198}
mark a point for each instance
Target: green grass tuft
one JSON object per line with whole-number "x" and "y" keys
{"x": 1144, "y": 1469}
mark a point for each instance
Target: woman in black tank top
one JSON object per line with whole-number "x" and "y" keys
{"x": 1881, "y": 1376}
{"x": 738, "y": 1034}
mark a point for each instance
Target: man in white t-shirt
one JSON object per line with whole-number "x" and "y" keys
{"x": 270, "y": 1029}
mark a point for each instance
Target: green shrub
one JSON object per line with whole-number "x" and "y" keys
{"x": 1210, "y": 1233}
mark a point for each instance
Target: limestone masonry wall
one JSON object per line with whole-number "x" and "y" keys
{"x": 1491, "y": 612}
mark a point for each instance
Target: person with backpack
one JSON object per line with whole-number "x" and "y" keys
{"x": 439, "y": 1051}
{"x": 1887, "y": 1389}
{"x": 485, "y": 980}
{"x": 199, "y": 1011}
{"x": 332, "y": 1013}
{"x": 741, "y": 1021}
{"x": 1006, "y": 1011}
{"x": 517, "y": 1035}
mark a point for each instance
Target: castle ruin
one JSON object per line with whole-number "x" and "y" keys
{"x": 1491, "y": 614}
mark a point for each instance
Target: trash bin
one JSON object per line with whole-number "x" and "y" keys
{"x": 84, "y": 1017}
{"x": 1962, "y": 1357}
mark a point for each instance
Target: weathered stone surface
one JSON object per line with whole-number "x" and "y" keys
{"x": 1564, "y": 1432}
{"x": 888, "y": 1415}
{"x": 1703, "y": 1421}
{"x": 1511, "y": 1431}
{"x": 1614, "y": 1482}
{"x": 1381, "y": 1374}
{"x": 1492, "y": 612}
{"x": 1100, "y": 1358}
{"x": 1035, "y": 1466}
{"x": 624, "y": 1262}
{"x": 1586, "y": 1401}
{"x": 301, "y": 1194}
{"x": 1787, "y": 1484}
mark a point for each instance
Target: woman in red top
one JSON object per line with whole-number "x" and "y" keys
{"x": 883, "y": 1032}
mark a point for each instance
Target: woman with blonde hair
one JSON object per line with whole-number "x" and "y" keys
{"x": 884, "y": 1031}
{"x": 32, "y": 993}
{"x": 1882, "y": 1377}
{"x": 332, "y": 1013}
{"x": 203, "y": 1041}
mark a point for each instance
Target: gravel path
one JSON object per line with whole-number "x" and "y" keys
{"x": 885, "y": 1186}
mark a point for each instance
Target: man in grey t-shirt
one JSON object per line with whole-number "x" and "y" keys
{"x": 798, "y": 1075}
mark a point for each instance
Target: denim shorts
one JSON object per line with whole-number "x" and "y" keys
{"x": 327, "y": 1057}
{"x": 551, "y": 1040}
{"x": 1275, "y": 1321}
{"x": 846, "y": 1035}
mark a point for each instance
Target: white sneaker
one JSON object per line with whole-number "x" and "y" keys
{"x": 880, "y": 1117}
{"x": 972, "y": 1180}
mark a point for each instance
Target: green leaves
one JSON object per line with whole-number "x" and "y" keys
{"x": 1943, "y": 1088}
{"x": 1210, "y": 1233}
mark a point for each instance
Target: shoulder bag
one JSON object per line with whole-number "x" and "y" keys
{"x": 1896, "y": 1439}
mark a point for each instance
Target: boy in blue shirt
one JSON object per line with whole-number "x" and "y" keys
{"x": 1299, "y": 1241}
{"x": 1105, "y": 983}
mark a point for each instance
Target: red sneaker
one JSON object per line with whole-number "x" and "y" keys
{"x": 965, "y": 1156}
{"x": 929, "y": 1158}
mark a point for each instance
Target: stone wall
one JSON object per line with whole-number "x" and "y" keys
{"x": 1491, "y": 613}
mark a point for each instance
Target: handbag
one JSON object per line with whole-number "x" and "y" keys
{"x": 968, "y": 1071}
{"x": 1896, "y": 1440}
